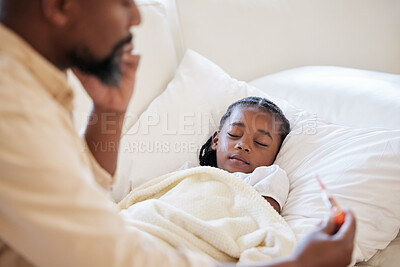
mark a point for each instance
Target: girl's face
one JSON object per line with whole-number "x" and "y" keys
{"x": 249, "y": 139}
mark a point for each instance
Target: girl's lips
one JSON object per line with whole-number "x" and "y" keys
{"x": 239, "y": 159}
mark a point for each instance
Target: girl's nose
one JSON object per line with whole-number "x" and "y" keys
{"x": 242, "y": 146}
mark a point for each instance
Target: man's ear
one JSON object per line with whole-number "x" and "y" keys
{"x": 214, "y": 140}
{"x": 56, "y": 11}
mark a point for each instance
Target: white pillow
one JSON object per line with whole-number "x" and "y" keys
{"x": 154, "y": 41}
{"x": 360, "y": 166}
{"x": 356, "y": 98}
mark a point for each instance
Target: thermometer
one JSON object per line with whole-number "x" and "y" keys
{"x": 331, "y": 203}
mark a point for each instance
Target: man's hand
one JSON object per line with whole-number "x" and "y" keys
{"x": 326, "y": 247}
{"x": 110, "y": 104}
{"x": 108, "y": 98}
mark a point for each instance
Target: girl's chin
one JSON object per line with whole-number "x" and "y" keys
{"x": 238, "y": 166}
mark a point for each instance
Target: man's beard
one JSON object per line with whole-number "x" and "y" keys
{"x": 108, "y": 71}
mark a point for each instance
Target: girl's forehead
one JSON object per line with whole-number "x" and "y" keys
{"x": 246, "y": 113}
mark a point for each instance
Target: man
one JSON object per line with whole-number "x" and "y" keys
{"x": 53, "y": 211}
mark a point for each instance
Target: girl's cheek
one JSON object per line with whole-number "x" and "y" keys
{"x": 224, "y": 146}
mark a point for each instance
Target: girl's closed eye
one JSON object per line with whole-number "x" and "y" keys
{"x": 234, "y": 132}
{"x": 232, "y": 135}
{"x": 261, "y": 144}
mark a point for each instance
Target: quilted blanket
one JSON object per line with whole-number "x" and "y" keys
{"x": 212, "y": 211}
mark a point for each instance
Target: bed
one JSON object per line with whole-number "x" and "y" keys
{"x": 332, "y": 66}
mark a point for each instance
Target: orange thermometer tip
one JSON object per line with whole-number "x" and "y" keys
{"x": 339, "y": 218}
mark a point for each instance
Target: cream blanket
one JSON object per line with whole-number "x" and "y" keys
{"x": 209, "y": 210}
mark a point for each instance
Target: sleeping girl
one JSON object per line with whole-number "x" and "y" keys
{"x": 249, "y": 137}
{"x": 210, "y": 210}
